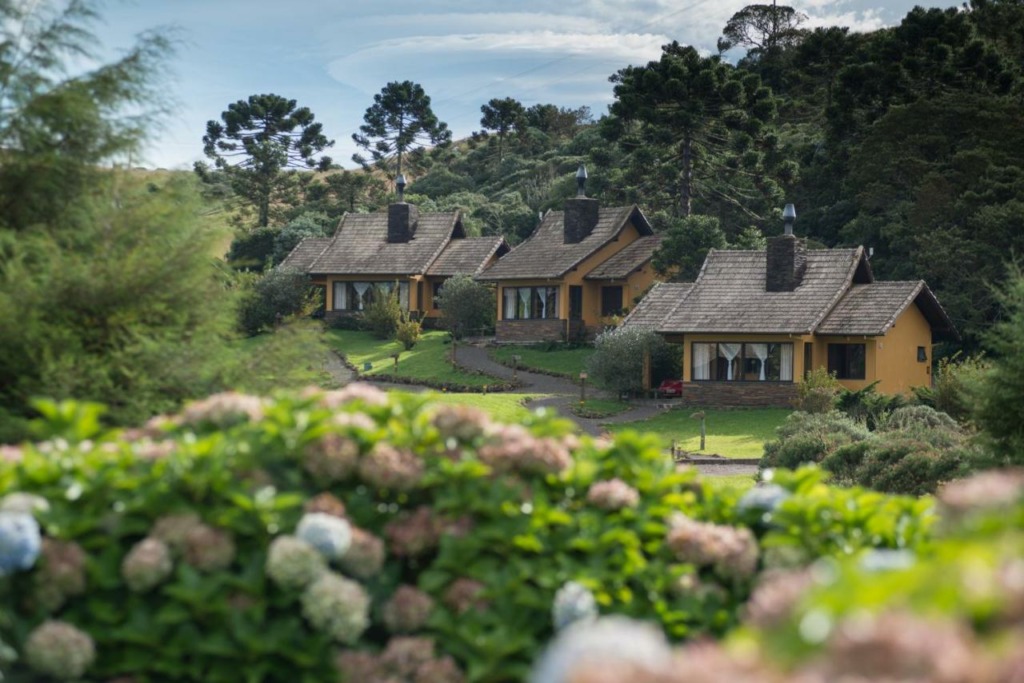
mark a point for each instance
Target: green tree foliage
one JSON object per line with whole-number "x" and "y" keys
{"x": 126, "y": 310}
{"x": 257, "y": 138}
{"x": 383, "y": 314}
{"x": 707, "y": 122}
{"x": 467, "y": 307}
{"x": 253, "y": 249}
{"x": 684, "y": 246}
{"x": 502, "y": 116}
{"x": 58, "y": 124}
{"x": 999, "y": 395}
{"x": 308, "y": 224}
{"x": 399, "y": 120}
{"x": 273, "y": 297}
{"x": 618, "y": 359}
{"x": 766, "y": 31}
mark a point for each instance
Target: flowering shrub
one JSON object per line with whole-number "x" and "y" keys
{"x": 949, "y": 611}
{"x": 378, "y": 538}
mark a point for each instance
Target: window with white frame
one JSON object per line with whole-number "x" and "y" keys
{"x": 356, "y": 296}
{"x": 742, "y": 361}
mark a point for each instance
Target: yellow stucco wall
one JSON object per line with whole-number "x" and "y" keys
{"x": 591, "y": 290}
{"x": 896, "y": 361}
{"x": 891, "y": 359}
{"x": 414, "y": 303}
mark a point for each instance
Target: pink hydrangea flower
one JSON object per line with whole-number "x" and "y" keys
{"x": 331, "y": 458}
{"x": 208, "y": 549}
{"x": 365, "y": 555}
{"x": 465, "y": 594}
{"x": 223, "y": 410}
{"x": 359, "y": 391}
{"x": 460, "y": 422}
{"x": 512, "y": 448}
{"x": 387, "y": 467}
{"x": 404, "y": 655}
{"x": 172, "y": 529}
{"x": 147, "y": 564}
{"x": 732, "y": 551}
{"x": 61, "y": 573}
{"x": 775, "y": 597}
{"x": 613, "y": 494}
{"x": 327, "y": 503}
{"x": 993, "y": 488}
{"x": 408, "y": 610}
{"x": 413, "y": 534}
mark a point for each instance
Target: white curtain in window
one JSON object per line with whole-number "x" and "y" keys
{"x": 524, "y": 301}
{"x": 702, "y": 361}
{"x": 786, "y": 363}
{"x": 403, "y": 295}
{"x": 761, "y": 351}
{"x": 340, "y": 296}
{"x": 553, "y": 295}
{"x": 361, "y": 288}
{"x": 729, "y": 351}
{"x": 542, "y": 295}
{"x": 510, "y": 303}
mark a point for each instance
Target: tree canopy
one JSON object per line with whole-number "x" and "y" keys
{"x": 257, "y": 138}
{"x": 399, "y": 120}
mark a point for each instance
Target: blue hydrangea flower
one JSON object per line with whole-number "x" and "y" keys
{"x": 19, "y": 542}
{"x": 763, "y": 498}
{"x": 331, "y": 535}
{"x": 573, "y": 603}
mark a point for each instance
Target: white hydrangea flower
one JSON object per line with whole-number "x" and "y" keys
{"x": 613, "y": 641}
{"x": 574, "y": 603}
{"x": 293, "y": 563}
{"x": 331, "y": 535}
{"x": 338, "y": 607}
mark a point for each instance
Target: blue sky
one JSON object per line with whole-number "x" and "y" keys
{"x": 334, "y": 55}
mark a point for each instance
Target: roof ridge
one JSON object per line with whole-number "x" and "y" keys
{"x": 909, "y": 300}
{"x": 444, "y": 243}
{"x": 851, "y": 271}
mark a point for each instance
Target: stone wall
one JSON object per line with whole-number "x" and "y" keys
{"x": 739, "y": 394}
{"x": 551, "y": 329}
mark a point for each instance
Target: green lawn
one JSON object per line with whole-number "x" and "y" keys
{"x": 732, "y": 433}
{"x": 502, "y": 407}
{"x": 569, "y": 362}
{"x": 737, "y": 482}
{"x": 428, "y": 360}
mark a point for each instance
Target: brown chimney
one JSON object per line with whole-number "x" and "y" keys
{"x": 580, "y": 212}
{"x": 786, "y": 258}
{"x": 402, "y": 217}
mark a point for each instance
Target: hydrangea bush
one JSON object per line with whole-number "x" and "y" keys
{"x": 949, "y": 611}
{"x": 359, "y": 536}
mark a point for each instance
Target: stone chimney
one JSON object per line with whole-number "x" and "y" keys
{"x": 580, "y": 212}
{"x": 786, "y": 257}
{"x": 402, "y": 217}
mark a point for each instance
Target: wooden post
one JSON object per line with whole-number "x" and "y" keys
{"x": 583, "y": 387}
{"x": 700, "y": 415}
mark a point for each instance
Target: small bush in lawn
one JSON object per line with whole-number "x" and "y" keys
{"x": 921, "y": 416}
{"x": 467, "y": 307}
{"x": 618, "y": 359}
{"x": 368, "y": 536}
{"x": 408, "y": 332}
{"x": 383, "y": 314}
{"x": 818, "y": 392}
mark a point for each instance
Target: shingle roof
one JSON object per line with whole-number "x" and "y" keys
{"x": 305, "y": 252}
{"x": 630, "y": 259}
{"x": 546, "y": 255}
{"x": 467, "y": 256}
{"x": 729, "y": 294}
{"x": 871, "y": 309}
{"x": 657, "y": 304}
{"x": 360, "y": 245}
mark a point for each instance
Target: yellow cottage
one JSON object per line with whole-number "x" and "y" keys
{"x": 375, "y": 252}
{"x": 580, "y": 268}
{"x": 755, "y": 322}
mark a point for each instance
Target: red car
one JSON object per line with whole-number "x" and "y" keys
{"x": 671, "y": 388}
